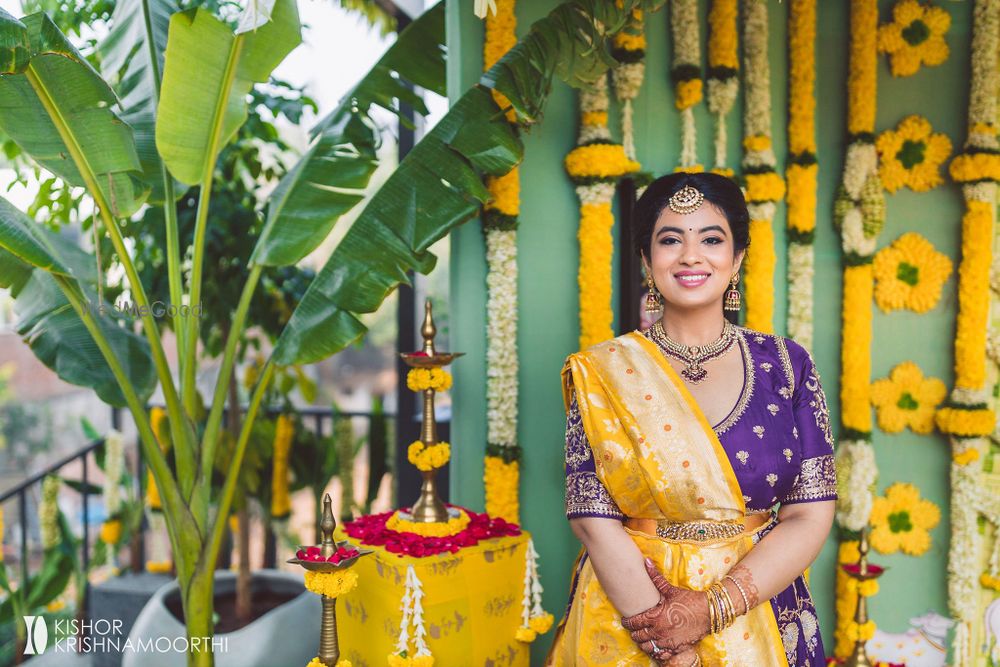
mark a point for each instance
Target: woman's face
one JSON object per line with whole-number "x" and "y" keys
{"x": 692, "y": 258}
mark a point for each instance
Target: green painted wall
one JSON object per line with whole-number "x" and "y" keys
{"x": 548, "y": 262}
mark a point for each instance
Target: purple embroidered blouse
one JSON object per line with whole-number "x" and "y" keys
{"x": 777, "y": 436}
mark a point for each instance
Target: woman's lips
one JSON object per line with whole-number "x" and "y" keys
{"x": 691, "y": 279}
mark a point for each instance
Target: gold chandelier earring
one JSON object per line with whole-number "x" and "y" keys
{"x": 653, "y": 301}
{"x": 732, "y": 303}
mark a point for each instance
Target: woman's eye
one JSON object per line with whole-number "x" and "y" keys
{"x": 714, "y": 240}
{"x": 670, "y": 240}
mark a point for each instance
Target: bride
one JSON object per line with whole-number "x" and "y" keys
{"x": 699, "y": 462}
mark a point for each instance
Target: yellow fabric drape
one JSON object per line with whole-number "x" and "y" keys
{"x": 659, "y": 459}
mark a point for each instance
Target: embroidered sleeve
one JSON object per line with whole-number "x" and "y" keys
{"x": 812, "y": 418}
{"x": 817, "y": 480}
{"x": 586, "y": 495}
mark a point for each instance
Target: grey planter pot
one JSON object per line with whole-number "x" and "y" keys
{"x": 286, "y": 635}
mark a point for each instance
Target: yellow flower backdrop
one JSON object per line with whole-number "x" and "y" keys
{"x": 907, "y": 399}
{"x": 901, "y": 521}
{"x": 911, "y": 155}
{"x": 910, "y": 274}
{"x": 915, "y": 37}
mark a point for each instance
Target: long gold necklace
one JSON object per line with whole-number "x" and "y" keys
{"x": 693, "y": 356}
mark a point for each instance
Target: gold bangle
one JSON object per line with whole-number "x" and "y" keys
{"x": 727, "y": 611}
{"x": 720, "y": 609}
{"x": 729, "y": 604}
{"x": 743, "y": 593}
{"x": 711, "y": 611}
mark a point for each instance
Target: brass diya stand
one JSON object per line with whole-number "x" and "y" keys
{"x": 861, "y": 572}
{"x": 429, "y": 508}
{"x": 329, "y": 648}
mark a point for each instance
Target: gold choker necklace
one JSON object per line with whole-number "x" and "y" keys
{"x": 693, "y": 356}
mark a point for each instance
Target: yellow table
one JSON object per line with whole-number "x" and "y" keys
{"x": 472, "y": 605}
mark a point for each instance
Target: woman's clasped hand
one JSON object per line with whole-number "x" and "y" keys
{"x": 669, "y": 630}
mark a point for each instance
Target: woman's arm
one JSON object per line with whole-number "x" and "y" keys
{"x": 783, "y": 554}
{"x": 618, "y": 564}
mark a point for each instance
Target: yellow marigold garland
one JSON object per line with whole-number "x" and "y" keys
{"x": 421, "y": 379}
{"x": 111, "y": 532}
{"x": 915, "y": 37}
{"x": 802, "y": 172}
{"x": 161, "y": 431}
{"x": 428, "y": 457}
{"x": 340, "y": 663}
{"x": 453, "y": 526}
{"x": 723, "y": 69}
{"x": 284, "y": 433}
{"x": 500, "y": 221}
{"x": 907, "y": 399}
{"x": 910, "y": 274}
{"x": 764, "y": 185}
{"x": 500, "y": 478}
{"x": 629, "y": 49}
{"x": 594, "y": 166}
{"x": 911, "y": 155}
{"x": 331, "y": 584}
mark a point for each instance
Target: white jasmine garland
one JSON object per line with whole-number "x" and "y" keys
{"x": 756, "y": 70}
{"x": 594, "y": 99}
{"x": 685, "y": 30}
{"x": 801, "y": 270}
{"x": 857, "y": 474}
{"x": 596, "y": 193}
{"x": 412, "y": 609}
{"x": 501, "y": 354}
{"x": 114, "y": 462}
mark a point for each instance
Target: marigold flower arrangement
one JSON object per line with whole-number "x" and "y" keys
{"x": 628, "y": 47}
{"x": 915, "y": 37}
{"x": 374, "y": 530}
{"x": 111, "y": 532}
{"x": 594, "y": 166}
{"x": 910, "y": 274}
{"x": 911, "y": 155}
{"x": 428, "y": 457}
{"x": 422, "y": 379}
{"x": 901, "y": 520}
{"x": 907, "y": 399}
{"x": 966, "y": 417}
{"x": 723, "y": 82}
{"x": 452, "y": 526}
{"x": 340, "y": 663}
{"x": 331, "y": 584}
{"x": 284, "y": 434}
{"x": 764, "y": 185}
{"x": 685, "y": 32}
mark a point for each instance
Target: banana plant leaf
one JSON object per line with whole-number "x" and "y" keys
{"x": 331, "y": 177}
{"x": 47, "y": 321}
{"x": 126, "y": 56}
{"x": 438, "y": 186}
{"x": 209, "y": 73}
{"x": 58, "y": 109}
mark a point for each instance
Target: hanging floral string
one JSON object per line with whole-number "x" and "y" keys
{"x": 967, "y": 417}
{"x": 534, "y": 620}
{"x": 594, "y": 166}
{"x": 629, "y": 49}
{"x": 860, "y": 214}
{"x": 685, "y": 32}
{"x": 500, "y": 220}
{"x": 723, "y": 71}
{"x": 412, "y": 608}
{"x": 803, "y": 169}
{"x": 763, "y": 184}
{"x": 160, "y": 561}
{"x": 284, "y": 434}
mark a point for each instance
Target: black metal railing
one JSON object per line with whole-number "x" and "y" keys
{"x": 320, "y": 420}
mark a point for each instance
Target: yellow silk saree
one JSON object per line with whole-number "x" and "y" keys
{"x": 660, "y": 460}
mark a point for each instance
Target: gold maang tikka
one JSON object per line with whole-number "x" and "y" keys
{"x": 686, "y": 200}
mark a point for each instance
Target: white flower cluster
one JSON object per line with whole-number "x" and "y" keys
{"x": 757, "y": 81}
{"x": 860, "y": 181}
{"x": 114, "y": 463}
{"x": 685, "y": 30}
{"x": 983, "y": 80}
{"x": 412, "y": 613}
{"x": 627, "y": 79}
{"x": 531, "y": 603}
{"x": 856, "y": 477}
{"x": 963, "y": 554}
{"x": 801, "y": 269}
{"x": 48, "y": 512}
{"x": 501, "y": 337}
{"x": 594, "y": 99}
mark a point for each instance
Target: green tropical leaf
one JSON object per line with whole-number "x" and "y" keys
{"x": 15, "y": 47}
{"x": 208, "y": 75}
{"x": 127, "y": 61}
{"x": 60, "y": 340}
{"x": 438, "y": 186}
{"x": 28, "y": 242}
{"x": 331, "y": 177}
{"x": 58, "y": 109}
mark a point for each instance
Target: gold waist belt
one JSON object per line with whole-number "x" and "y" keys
{"x": 699, "y": 531}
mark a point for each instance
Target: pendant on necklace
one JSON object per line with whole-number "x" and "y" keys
{"x": 694, "y": 373}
